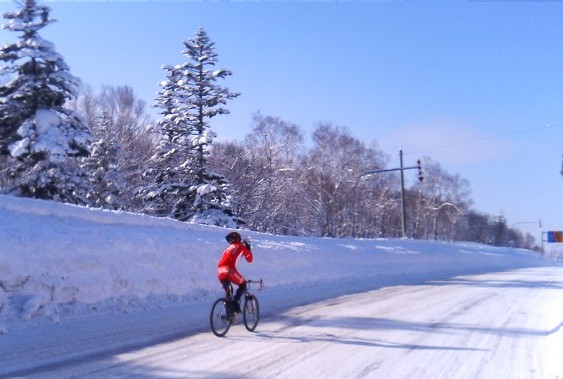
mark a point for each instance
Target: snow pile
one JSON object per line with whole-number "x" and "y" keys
{"x": 60, "y": 261}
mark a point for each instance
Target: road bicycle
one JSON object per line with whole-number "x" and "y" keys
{"x": 222, "y": 315}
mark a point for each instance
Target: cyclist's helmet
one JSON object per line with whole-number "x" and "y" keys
{"x": 233, "y": 237}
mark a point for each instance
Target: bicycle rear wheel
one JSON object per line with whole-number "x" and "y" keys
{"x": 220, "y": 320}
{"x": 251, "y": 312}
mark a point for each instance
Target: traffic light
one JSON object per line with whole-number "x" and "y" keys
{"x": 420, "y": 176}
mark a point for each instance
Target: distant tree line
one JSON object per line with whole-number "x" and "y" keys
{"x": 280, "y": 184}
{"x": 64, "y": 142}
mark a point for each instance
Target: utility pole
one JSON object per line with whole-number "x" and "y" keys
{"x": 401, "y": 168}
{"x": 403, "y": 210}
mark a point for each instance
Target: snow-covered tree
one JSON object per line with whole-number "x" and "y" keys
{"x": 264, "y": 174}
{"x": 118, "y": 121}
{"x": 108, "y": 182}
{"x": 441, "y": 201}
{"x": 331, "y": 170}
{"x": 182, "y": 185}
{"x": 40, "y": 139}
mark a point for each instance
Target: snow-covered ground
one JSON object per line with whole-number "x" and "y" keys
{"x": 78, "y": 283}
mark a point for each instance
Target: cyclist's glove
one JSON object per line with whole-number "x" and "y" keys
{"x": 247, "y": 244}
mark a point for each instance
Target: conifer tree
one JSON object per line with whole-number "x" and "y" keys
{"x": 108, "y": 182}
{"x": 39, "y": 138}
{"x": 122, "y": 145}
{"x": 182, "y": 185}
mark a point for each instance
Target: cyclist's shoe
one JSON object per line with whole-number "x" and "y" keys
{"x": 229, "y": 311}
{"x": 235, "y": 306}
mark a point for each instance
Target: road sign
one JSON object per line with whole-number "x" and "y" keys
{"x": 556, "y": 237}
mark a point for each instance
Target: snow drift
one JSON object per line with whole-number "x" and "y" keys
{"x": 60, "y": 261}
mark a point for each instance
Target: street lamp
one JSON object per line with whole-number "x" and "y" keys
{"x": 401, "y": 168}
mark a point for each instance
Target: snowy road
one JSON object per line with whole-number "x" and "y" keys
{"x": 501, "y": 325}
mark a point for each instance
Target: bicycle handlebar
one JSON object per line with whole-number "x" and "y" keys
{"x": 261, "y": 282}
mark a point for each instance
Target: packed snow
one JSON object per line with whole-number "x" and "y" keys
{"x": 76, "y": 282}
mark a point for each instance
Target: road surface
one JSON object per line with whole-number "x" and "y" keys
{"x": 498, "y": 325}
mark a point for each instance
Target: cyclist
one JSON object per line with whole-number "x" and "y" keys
{"x": 227, "y": 272}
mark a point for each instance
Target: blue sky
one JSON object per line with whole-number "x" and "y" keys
{"x": 477, "y": 87}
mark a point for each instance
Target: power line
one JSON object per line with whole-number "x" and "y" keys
{"x": 487, "y": 138}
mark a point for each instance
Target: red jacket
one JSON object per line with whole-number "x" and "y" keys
{"x": 232, "y": 254}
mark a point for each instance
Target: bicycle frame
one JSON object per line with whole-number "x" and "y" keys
{"x": 221, "y": 319}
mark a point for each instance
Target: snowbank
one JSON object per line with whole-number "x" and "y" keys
{"x": 60, "y": 261}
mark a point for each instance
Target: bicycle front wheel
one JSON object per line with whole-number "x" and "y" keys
{"x": 251, "y": 313}
{"x": 219, "y": 319}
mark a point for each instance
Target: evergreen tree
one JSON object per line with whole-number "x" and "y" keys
{"x": 183, "y": 187}
{"x": 39, "y": 138}
{"x": 108, "y": 182}
{"x": 118, "y": 122}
